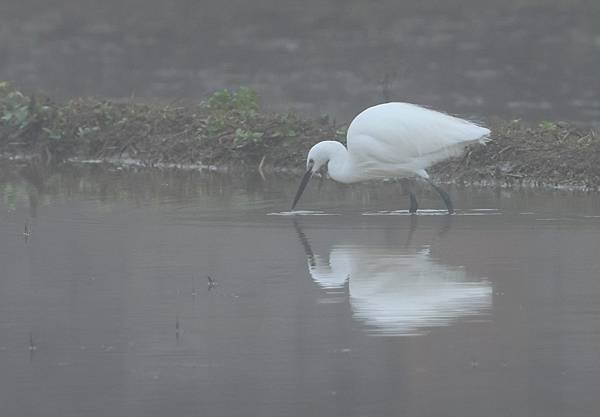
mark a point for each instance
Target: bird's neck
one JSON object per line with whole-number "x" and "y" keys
{"x": 341, "y": 167}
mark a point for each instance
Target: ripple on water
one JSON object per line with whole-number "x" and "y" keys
{"x": 435, "y": 212}
{"x": 302, "y": 213}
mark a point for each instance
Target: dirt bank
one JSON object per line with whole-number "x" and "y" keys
{"x": 229, "y": 129}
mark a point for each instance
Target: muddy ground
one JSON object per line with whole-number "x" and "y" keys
{"x": 229, "y": 130}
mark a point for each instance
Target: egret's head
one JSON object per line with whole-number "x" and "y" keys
{"x": 317, "y": 159}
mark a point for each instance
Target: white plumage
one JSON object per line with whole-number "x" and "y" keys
{"x": 399, "y": 291}
{"x": 403, "y": 139}
{"x": 393, "y": 140}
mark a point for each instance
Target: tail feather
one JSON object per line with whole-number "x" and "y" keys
{"x": 485, "y": 138}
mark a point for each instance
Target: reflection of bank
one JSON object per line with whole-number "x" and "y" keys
{"x": 399, "y": 291}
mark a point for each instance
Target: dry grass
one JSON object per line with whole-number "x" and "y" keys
{"x": 549, "y": 153}
{"x": 229, "y": 129}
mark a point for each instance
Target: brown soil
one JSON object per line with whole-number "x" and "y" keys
{"x": 229, "y": 130}
{"x": 554, "y": 154}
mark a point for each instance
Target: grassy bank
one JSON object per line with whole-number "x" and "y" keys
{"x": 230, "y": 129}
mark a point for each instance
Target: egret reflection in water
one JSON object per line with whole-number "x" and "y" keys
{"x": 398, "y": 290}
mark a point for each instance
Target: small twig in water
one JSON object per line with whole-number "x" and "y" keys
{"x": 27, "y": 231}
{"x": 31, "y": 342}
{"x": 260, "y": 167}
{"x": 211, "y": 283}
{"x": 32, "y": 347}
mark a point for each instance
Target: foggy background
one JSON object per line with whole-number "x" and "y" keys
{"x": 536, "y": 60}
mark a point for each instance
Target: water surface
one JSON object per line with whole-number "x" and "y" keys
{"x": 106, "y": 307}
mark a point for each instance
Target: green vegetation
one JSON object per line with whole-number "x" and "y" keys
{"x": 226, "y": 128}
{"x": 546, "y": 125}
{"x": 230, "y": 129}
{"x": 245, "y": 100}
{"x": 14, "y": 106}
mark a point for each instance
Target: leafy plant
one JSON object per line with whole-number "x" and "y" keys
{"x": 83, "y": 132}
{"x": 220, "y": 100}
{"x": 340, "y": 133}
{"x": 243, "y": 100}
{"x": 244, "y": 136}
{"x": 214, "y": 126}
{"x": 52, "y": 134}
{"x": 285, "y": 132}
{"x": 546, "y": 125}
{"x": 14, "y": 106}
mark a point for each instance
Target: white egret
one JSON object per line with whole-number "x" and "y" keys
{"x": 393, "y": 140}
{"x": 399, "y": 291}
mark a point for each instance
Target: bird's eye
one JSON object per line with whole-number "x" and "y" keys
{"x": 311, "y": 161}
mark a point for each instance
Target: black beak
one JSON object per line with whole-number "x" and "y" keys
{"x": 303, "y": 183}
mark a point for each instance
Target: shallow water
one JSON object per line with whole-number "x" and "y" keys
{"x": 106, "y": 307}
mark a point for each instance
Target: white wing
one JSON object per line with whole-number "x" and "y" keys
{"x": 401, "y": 291}
{"x": 409, "y": 293}
{"x": 406, "y": 137}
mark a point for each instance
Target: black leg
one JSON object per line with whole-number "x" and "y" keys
{"x": 444, "y": 196}
{"x": 408, "y": 187}
{"x": 413, "y": 203}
